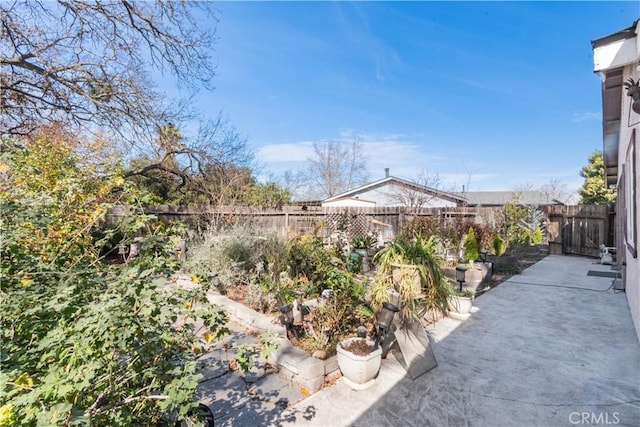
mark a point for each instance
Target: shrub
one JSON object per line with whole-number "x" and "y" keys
{"x": 341, "y": 313}
{"x": 514, "y": 214}
{"x": 308, "y": 258}
{"x": 230, "y": 255}
{"x": 498, "y": 245}
{"x": 532, "y": 222}
{"x": 471, "y": 251}
{"x": 422, "y": 226}
{"x": 83, "y": 341}
{"x": 537, "y": 236}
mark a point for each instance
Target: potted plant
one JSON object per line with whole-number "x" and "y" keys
{"x": 461, "y": 301}
{"x": 361, "y": 246}
{"x": 359, "y": 361}
{"x": 411, "y": 268}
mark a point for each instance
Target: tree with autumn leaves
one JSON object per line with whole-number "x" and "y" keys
{"x": 85, "y": 341}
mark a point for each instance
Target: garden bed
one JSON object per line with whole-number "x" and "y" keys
{"x": 503, "y": 271}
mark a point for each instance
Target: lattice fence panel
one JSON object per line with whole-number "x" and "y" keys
{"x": 354, "y": 225}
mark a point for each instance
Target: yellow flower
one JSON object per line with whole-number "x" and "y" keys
{"x": 195, "y": 279}
{"x": 24, "y": 380}
{"x": 8, "y": 416}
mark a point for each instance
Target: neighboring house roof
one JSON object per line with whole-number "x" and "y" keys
{"x": 392, "y": 180}
{"x": 499, "y": 198}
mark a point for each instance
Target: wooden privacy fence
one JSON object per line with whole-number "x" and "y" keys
{"x": 577, "y": 230}
{"x": 297, "y": 220}
{"x": 580, "y": 230}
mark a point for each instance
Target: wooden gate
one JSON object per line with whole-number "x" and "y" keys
{"x": 578, "y": 230}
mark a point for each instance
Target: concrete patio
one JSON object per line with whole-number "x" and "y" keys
{"x": 552, "y": 346}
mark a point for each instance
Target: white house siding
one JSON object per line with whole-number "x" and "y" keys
{"x": 611, "y": 54}
{"x": 630, "y": 121}
{"x": 384, "y": 197}
{"x": 350, "y": 202}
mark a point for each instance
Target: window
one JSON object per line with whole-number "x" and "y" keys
{"x": 631, "y": 197}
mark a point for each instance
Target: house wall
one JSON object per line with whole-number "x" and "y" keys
{"x": 630, "y": 121}
{"x": 349, "y": 202}
{"x": 384, "y": 196}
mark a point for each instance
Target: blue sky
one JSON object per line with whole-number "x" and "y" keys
{"x": 494, "y": 95}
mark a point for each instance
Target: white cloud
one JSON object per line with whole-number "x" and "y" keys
{"x": 584, "y": 117}
{"x": 286, "y": 152}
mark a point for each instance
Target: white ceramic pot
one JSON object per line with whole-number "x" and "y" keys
{"x": 462, "y": 305}
{"x": 359, "y": 370}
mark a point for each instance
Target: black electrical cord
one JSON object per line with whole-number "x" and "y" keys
{"x": 561, "y": 286}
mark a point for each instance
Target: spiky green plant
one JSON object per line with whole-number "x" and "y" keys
{"x": 421, "y": 282}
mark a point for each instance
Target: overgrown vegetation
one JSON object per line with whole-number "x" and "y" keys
{"x": 418, "y": 277}
{"x": 85, "y": 341}
{"x": 266, "y": 273}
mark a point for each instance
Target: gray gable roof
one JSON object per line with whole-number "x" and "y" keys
{"x": 499, "y": 198}
{"x": 452, "y": 197}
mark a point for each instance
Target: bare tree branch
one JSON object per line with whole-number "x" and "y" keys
{"x": 416, "y": 197}
{"x": 86, "y": 64}
{"x": 336, "y": 167}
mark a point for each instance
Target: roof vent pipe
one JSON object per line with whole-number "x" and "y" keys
{"x": 386, "y": 172}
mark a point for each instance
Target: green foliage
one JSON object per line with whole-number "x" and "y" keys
{"x": 425, "y": 226}
{"x": 466, "y": 292}
{"x": 537, "y": 236}
{"x": 308, "y": 258}
{"x": 246, "y": 353}
{"x": 85, "y": 342}
{"x": 422, "y": 284}
{"x": 471, "y": 250}
{"x": 229, "y": 255}
{"x": 268, "y": 195}
{"x": 594, "y": 190}
{"x": 239, "y": 256}
{"x": 498, "y": 245}
{"x": 532, "y": 223}
{"x": 514, "y": 215}
{"x": 366, "y": 241}
{"x": 341, "y": 313}
{"x": 8, "y": 416}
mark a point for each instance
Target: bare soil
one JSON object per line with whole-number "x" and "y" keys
{"x": 359, "y": 347}
{"x": 238, "y": 293}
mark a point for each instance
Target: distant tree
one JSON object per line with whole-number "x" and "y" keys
{"x": 594, "y": 191}
{"x": 414, "y": 198}
{"x": 215, "y": 167}
{"x": 161, "y": 175}
{"x": 269, "y": 195}
{"x": 296, "y": 183}
{"x": 555, "y": 190}
{"x": 86, "y": 64}
{"x": 336, "y": 167}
